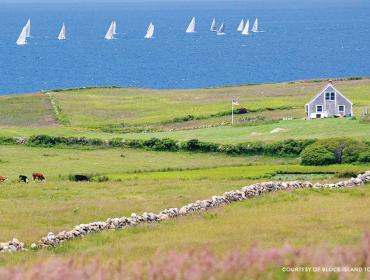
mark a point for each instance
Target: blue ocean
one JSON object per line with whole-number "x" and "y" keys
{"x": 297, "y": 43}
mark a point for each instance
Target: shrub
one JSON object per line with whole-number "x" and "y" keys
{"x": 194, "y": 145}
{"x": 165, "y": 144}
{"x": 241, "y": 111}
{"x": 364, "y": 157}
{"x": 117, "y": 142}
{"x": 317, "y": 155}
{"x": 343, "y": 150}
{"x": 288, "y": 147}
{"x": 7, "y": 140}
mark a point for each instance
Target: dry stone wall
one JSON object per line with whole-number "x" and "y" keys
{"x": 51, "y": 239}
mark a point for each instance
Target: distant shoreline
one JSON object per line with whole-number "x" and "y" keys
{"x": 318, "y": 80}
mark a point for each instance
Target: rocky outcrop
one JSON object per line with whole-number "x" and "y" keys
{"x": 244, "y": 193}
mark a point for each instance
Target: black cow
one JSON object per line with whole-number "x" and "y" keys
{"x": 23, "y": 178}
{"x": 81, "y": 178}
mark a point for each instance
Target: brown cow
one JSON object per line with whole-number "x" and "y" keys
{"x": 38, "y": 177}
{"x": 3, "y": 178}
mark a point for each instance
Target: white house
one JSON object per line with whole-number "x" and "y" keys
{"x": 329, "y": 103}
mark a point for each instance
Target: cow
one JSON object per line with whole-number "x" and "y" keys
{"x": 3, "y": 178}
{"x": 38, "y": 177}
{"x": 23, "y": 178}
{"x": 80, "y": 178}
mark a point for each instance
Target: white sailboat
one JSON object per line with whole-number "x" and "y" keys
{"x": 191, "y": 27}
{"x": 213, "y": 26}
{"x": 114, "y": 28}
{"x": 28, "y": 28}
{"x": 150, "y": 32}
{"x": 109, "y": 35}
{"x": 22, "y": 39}
{"x": 62, "y": 33}
{"x": 255, "y": 26}
{"x": 221, "y": 30}
{"x": 246, "y": 28}
{"x": 241, "y": 26}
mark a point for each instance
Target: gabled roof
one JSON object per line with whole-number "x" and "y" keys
{"x": 330, "y": 84}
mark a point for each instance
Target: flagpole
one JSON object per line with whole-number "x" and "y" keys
{"x": 232, "y": 112}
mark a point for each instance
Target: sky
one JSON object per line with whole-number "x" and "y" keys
{"x": 254, "y": 3}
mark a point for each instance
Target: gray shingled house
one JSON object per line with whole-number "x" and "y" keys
{"x": 329, "y": 103}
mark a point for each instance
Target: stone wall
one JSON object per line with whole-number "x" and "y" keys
{"x": 244, "y": 193}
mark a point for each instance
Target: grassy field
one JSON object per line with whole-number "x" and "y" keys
{"x": 337, "y": 217}
{"x": 16, "y": 160}
{"x": 292, "y": 129}
{"x": 33, "y": 110}
{"x": 143, "y": 107}
{"x": 140, "y": 181}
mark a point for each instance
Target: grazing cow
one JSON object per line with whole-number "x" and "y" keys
{"x": 3, "y": 178}
{"x": 38, "y": 177}
{"x": 23, "y": 178}
{"x": 80, "y": 178}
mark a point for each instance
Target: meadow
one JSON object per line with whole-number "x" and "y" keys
{"x": 139, "y": 180}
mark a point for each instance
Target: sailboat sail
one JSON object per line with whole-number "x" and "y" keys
{"x": 62, "y": 33}
{"x": 109, "y": 34}
{"x": 213, "y": 26}
{"x": 22, "y": 39}
{"x": 28, "y": 28}
{"x": 191, "y": 27}
{"x": 255, "y": 26}
{"x": 150, "y": 31}
{"x": 241, "y": 26}
{"x": 246, "y": 28}
{"x": 114, "y": 28}
{"x": 221, "y": 30}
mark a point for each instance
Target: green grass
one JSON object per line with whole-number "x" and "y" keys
{"x": 26, "y": 110}
{"x": 304, "y": 217}
{"x": 292, "y": 129}
{"x": 16, "y": 160}
{"x": 139, "y": 106}
{"x": 232, "y": 173}
{"x": 103, "y": 106}
{"x": 151, "y": 181}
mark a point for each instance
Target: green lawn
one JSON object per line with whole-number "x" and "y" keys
{"x": 293, "y": 129}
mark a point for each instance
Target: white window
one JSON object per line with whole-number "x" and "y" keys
{"x": 341, "y": 108}
{"x": 318, "y": 108}
{"x": 332, "y": 96}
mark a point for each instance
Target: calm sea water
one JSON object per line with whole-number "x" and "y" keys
{"x": 297, "y": 44}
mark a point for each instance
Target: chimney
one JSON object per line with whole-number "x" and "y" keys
{"x": 330, "y": 82}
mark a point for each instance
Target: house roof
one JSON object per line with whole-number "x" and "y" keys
{"x": 330, "y": 84}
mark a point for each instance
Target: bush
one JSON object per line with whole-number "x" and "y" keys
{"x": 194, "y": 145}
{"x": 343, "y": 150}
{"x": 317, "y": 155}
{"x": 165, "y": 144}
{"x": 288, "y": 147}
{"x": 7, "y": 140}
{"x": 364, "y": 157}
